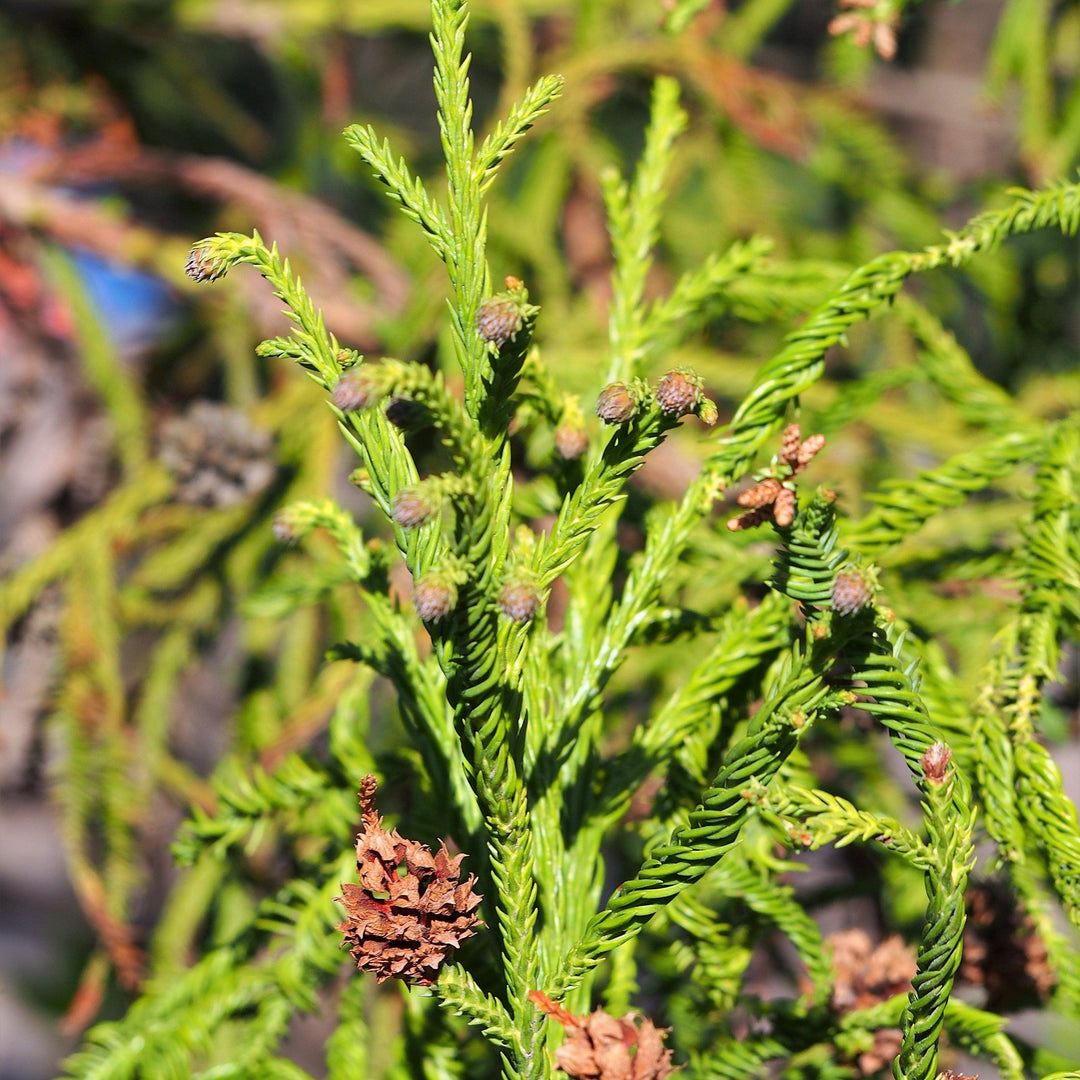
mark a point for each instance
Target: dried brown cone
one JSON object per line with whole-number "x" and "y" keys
{"x": 519, "y": 600}
{"x": 852, "y": 591}
{"x": 866, "y": 975}
{"x": 412, "y": 507}
{"x": 1003, "y": 950}
{"x": 356, "y": 390}
{"x": 411, "y": 909}
{"x": 600, "y": 1047}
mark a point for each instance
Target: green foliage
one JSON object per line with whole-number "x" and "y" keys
{"x": 676, "y": 715}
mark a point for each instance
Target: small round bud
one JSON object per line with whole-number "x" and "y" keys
{"x": 355, "y": 391}
{"x": 571, "y": 440}
{"x": 935, "y": 762}
{"x": 434, "y": 597}
{"x": 852, "y": 591}
{"x": 499, "y": 319}
{"x": 708, "y": 413}
{"x": 205, "y": 263}
{"x": 412, "y": 506}
{"x": 678, "y": 393}
{"x": 284, "y": 527}
{"x": 519, "y": 600}
{"x": 617, "y": 403}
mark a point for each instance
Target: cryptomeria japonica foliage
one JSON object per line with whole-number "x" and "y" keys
{"x": 630, "y": 717}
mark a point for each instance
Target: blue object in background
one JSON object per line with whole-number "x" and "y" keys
{"x": 137, "y": 308}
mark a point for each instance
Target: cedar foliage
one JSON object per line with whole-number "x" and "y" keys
{"x": 766, "y": 712}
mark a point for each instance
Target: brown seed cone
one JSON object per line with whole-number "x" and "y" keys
{"x": 571, "y": 440}
{"x": 1003, "y": 950}
{"x": 398, "y": 926}
{"x": 616, "y": 403}
{"x": 412, "y": 507}
{"x": 789, "y": 444}
{"x": 887, "y": 1042}
{"x": 499, "y": 319}
{"x": 762, "y": 493}
{"x": 519, "y": 600}
{"x": 852, "y": 591}
{"x": 948, "y": 1074}
{"x": 807, "y": 451}
{"x": 678, "y": 393}
{"x": 784, "y": 508}
{"x": 356, "y": 391}
{"x": 600, "y": 1047}
{"x": 750, "y": 519}
{"x": 866, "y": 975}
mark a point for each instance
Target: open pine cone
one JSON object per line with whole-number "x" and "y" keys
{"x": 599, "y": 1047}
{"x": 411, "y": 908}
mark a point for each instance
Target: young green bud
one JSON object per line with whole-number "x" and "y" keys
{"x": 707, "y": 412}
{"x": 571, "y": 438}
{"x": 679, "y": 392}
{"x": 617, "y": 403}
{"x": 935, "y": 762}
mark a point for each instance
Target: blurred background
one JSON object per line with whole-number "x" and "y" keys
{"x": 144, "y": 445}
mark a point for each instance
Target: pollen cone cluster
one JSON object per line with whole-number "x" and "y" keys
{"x": 411, "y": 908}
{"x": 602, "y": 1048}
{"x": 769, "y": 498}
